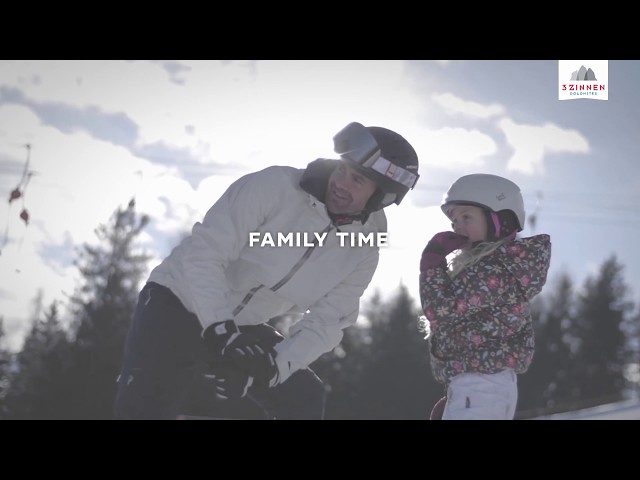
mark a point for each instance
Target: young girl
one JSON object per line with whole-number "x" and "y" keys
{"x": 477, "y": 310}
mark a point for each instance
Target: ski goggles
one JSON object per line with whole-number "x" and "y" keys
{"x": 354, "y": 142}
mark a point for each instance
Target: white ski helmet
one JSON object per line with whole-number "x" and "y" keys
{"x": 381, "y": 155}
{"x": 494, "y": 193}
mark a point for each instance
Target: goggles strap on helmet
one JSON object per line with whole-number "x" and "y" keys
{"x": 382, "y": 156}
{"x": 392, "y": 171}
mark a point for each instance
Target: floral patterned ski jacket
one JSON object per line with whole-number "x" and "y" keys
{"x": 480, "y": 320}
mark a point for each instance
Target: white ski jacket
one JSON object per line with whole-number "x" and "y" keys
{"x": 218, "y": 276}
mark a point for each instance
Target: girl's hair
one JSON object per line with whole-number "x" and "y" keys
{"x": 424, "y": 326}
{"x": 467, "y": 258}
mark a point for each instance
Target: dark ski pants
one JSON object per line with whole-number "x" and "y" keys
{"x": 165, "y": 358}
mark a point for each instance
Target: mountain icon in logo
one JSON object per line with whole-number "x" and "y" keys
{"x": 583, "y": 73}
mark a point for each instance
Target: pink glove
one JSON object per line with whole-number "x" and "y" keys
{"x": 441, "y": 245}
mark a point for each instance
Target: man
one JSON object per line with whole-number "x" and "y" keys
{"x": 202, "y": 315}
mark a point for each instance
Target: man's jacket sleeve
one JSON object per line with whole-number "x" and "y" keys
{"x": 321, "y": 328}
{"x": 219, "y": 239}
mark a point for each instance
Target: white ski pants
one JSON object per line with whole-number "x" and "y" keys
{"x": 479, "y": 396}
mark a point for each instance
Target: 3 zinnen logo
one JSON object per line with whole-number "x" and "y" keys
{"x": 582, "y": 81}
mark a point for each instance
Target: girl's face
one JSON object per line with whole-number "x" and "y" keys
{"x": 469, "y": 221}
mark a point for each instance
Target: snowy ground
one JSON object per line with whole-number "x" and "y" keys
{"x": 628, "y": 410}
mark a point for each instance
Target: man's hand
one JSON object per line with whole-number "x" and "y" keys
{"x": 254, "y": 357}
{"x": 229, "y": 383}
{"x": 437, "y": 249}
{"x": 218, "y": 336}
{"x": 248, "y": 348}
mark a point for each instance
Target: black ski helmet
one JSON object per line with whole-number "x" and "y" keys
{"x": 381, "y": 155}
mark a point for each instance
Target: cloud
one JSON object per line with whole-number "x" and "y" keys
{"x": 531, "y": 142}
{"x": 455, "y": 105}
{"x": 79, "y": 181}
{"x": 451, "y": 148}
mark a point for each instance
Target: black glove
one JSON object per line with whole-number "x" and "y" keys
{"x": 256, "y": 360}
{"x": 254, "y": 353}
{"x": 229, "y": 383}
{"x": 437, "y": 249}
{"x": 218, "y": 336}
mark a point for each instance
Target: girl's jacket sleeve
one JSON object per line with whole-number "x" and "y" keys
{"x": 511, "y": 275}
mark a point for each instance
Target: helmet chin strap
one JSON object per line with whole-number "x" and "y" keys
{"x": 379, "y": 200}
{"x": 496, "y": 224}
{"x": 388, "y": 199}
{"x": 493, "y": 225}
{"x": 496, "y": 231}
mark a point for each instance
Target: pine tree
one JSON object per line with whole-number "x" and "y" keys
{"x": 103, "y": 307}
{"x": 39, "y": 378}
{"x": 341, "y": 371}
{"x": 632, "y": 360}
{"x": 6, "y": 361}
{"x": 545, "y": 385}
{"x": 396, "y": 381}
{"x": 598, "y": 374}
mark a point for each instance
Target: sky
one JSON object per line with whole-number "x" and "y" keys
{"x": 174, "y": 134}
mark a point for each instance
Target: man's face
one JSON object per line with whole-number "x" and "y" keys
{"x": 348, "y": 191}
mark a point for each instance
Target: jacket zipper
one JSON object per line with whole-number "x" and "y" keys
{"x": 284, "y": 279}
